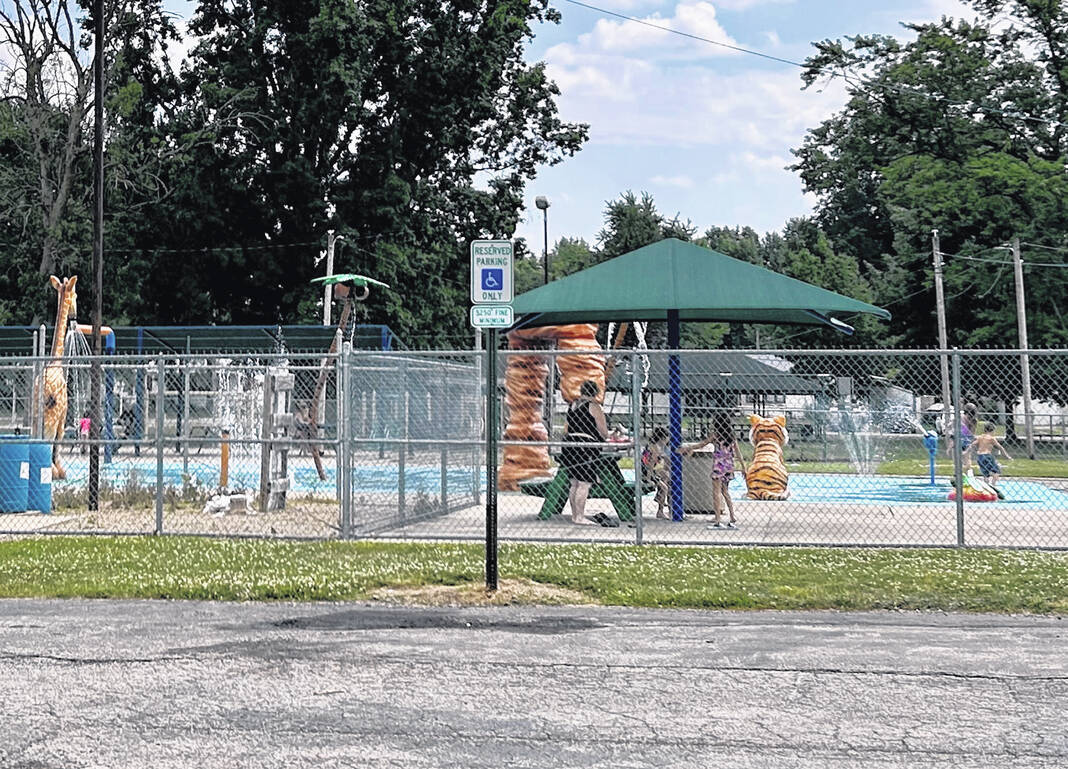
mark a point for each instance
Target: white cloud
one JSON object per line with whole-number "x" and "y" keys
{"x": 643, "y": 86}
{"x": 744, "y": 5}
{"x": 936, "y": 9}
{"x": 694, "y": 18}
{"x": 683, "y": 182}
{"x": 773, "y": 38}
{"x": 763, "y": 162}
{"x": 627, "y": 6}
{"x": 922, "y": 11}
{"x": 745, "y": 166}
{"x": 645, "y": 101}
{"x": 177, "y": 53}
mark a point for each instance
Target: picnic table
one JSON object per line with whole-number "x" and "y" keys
{"x": 611, "y": 486}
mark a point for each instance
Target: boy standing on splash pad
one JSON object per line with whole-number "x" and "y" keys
{"x": 985, "y": 445}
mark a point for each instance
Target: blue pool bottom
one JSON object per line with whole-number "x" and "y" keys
{"x": 809, "y": 488}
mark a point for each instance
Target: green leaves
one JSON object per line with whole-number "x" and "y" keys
{"x": 408, "y": 126}
{"x": 958, "y": 130}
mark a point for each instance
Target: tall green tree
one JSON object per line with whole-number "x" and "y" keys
{"x": 965, "y": 130}
{"x": 571, "y": 255}
{"x": 630, "y": 223}
{"x": 803, "y": 251}
{"x": 411, "y": 127}
{"x": 46, "y": 133}
{"x": 962, "y": 130}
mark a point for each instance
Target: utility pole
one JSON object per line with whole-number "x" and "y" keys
{"x": 1025, "y": 364}
{"x": 98, "y": 253}
{"x": 940, "y": 304}
{"x": 331, "y": 240}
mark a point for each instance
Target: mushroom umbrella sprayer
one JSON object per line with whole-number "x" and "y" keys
{"x": 343, "y": 284}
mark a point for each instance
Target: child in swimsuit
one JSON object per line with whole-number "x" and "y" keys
{"x": 985, "y": 445}
{"x": 969, "y": 426}
{"x": 83, "y": 431}
{"x": 653, "y": 465}
{"x": 726, "y": 449}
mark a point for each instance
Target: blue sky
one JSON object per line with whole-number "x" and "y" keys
{"x": 705, "y": 130}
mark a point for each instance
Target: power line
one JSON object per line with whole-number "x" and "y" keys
{"x": 993, "y": 284}
{"x": 1045, "y": 264}
{"x": 979, "y": 259}
{"x": 1048, "y": 248}
{"x": 349, "y": 240}
{"x": 213, "y": 249}
{"x": 831, "y": 73}
{"x": 687, "y": 34}
{"x": 1004, "y": 262}
{"x": 906, "y": 297}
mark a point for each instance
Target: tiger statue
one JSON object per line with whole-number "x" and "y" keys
{"x": 766, "y": 476}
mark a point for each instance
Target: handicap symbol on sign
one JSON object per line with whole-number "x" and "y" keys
{"x": 492, "y": 280}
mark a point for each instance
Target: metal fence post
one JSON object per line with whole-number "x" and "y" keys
{"x": 38, "y": 424}
{"x": 344, "y": 440}
{"x": 636, "y": 430}
{"x": 161, "y": 397}
{"x": 958, "y": 453}
{"x": 184, "y": 414}
{"x": 445, "y": 478}
{"x": 402, "y": 447}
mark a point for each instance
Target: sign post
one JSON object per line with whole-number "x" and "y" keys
{"x": 492, "y": 290}
{"x": 492, "y": 420}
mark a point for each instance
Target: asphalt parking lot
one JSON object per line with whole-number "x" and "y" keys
{"x": 191, "y": 684}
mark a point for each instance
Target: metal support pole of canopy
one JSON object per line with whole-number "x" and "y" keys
{"x": 675, "y": 416}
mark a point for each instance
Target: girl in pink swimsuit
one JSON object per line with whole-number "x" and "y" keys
{"x": 726, "y": 449}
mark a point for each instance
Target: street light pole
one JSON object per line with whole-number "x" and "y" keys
{"x": 543, "y": 204}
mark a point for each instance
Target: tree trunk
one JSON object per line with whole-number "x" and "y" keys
{"x": 48, "y": 264}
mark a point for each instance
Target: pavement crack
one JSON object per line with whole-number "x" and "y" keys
{"x": 637, "y": 719}
{"x": 14, "y": 657}
{"x": 728, "y": 669}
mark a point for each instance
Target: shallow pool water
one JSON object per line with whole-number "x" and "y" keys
{"x": 369, "y": 479}
{"x": 898, "y": 490}
{"x": 384, "y": 478}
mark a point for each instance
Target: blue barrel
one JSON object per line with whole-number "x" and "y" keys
{"x": 39, "y": 492}
{"x": 14, "y": 474}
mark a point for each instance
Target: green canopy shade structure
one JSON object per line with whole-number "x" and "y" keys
{"x": 697, "y": 282}
{"x": 675, "y": 281}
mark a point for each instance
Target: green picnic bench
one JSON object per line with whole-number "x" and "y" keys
{"x": 612, "y": 486}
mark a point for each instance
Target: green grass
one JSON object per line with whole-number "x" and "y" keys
{"x": 734, "y": 578}
{"x": 1021, "y": 468}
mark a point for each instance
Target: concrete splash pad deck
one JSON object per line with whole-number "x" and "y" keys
{"x": 999, "y": 525}
{"x": 795, "y": 521}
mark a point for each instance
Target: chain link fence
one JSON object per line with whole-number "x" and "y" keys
{"x": 733, "y": 446}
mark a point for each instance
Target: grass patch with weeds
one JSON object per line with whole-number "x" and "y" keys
{"x": 683, "y": 577}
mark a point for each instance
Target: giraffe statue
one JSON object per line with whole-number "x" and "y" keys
{"x": 54, "y": 396}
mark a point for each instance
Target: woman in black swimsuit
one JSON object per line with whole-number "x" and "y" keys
{"x": 585, "y": 424}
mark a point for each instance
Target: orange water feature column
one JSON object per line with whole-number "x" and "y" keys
{"x": 524, "y": 381}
